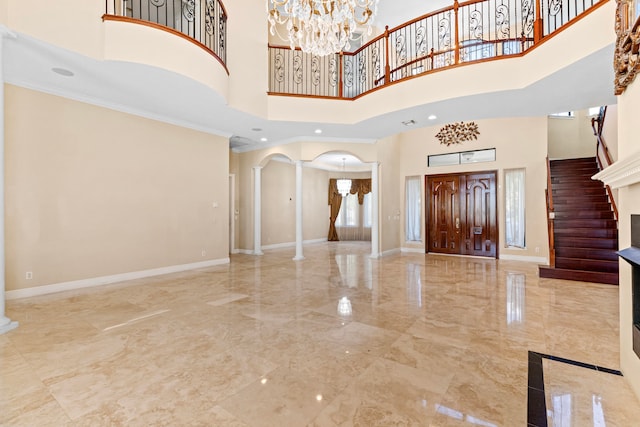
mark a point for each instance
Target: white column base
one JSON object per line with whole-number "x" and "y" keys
{"x": 7, "y": 325}
{"x": 298, "y": 258}
{"x": 258, "y": 253}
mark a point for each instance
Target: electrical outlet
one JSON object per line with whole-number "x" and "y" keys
{"x": 204, "y": 253}
{"x": 29, "y": 275}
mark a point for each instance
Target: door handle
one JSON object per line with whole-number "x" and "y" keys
{"x": 457, "y": 222}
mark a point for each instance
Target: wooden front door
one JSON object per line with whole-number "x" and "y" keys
{"x": 462, "y": 215}
{"x": 444, "y": 214}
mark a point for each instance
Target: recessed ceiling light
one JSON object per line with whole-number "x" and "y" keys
{"x": 432, "y": 117}
{"x": 256, "y": 129}
{"x": 318, "y": 131}
{"x": 263, "y": 139}
{"x": 62, "y": 71}
{"x": 409, "y": 122}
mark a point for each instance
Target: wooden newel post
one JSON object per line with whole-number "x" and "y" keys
{"x": 456, "y": 36}
{"x": 537, "y": 25}
{"x": 387, "y": 67}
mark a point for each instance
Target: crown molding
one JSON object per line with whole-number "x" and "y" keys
{"x": 622, "y": 173}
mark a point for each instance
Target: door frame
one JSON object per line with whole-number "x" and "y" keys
{"x": 427, "y": 198}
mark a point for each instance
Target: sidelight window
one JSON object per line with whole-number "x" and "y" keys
{"x": 514, "y": 180}
{"x": 413, "y": 209}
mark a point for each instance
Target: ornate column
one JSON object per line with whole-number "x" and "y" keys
{"x": 375, "y": 227}
{"x": 257, "y": 211}
{"x": 6, "y": 324}
{"x": 299, "y": 255}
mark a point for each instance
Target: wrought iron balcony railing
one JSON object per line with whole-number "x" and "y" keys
{"x": 476, "y": 30}
{"x": 201, "y": 21}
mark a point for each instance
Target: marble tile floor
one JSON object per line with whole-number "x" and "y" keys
{"x": 430, "y": 341}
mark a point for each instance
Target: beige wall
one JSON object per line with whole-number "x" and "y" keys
{"x": 73, "y": 24}
{"x": 571, "y": 137}
{"x": 93, "y": 192}
{"x": 390, "y": 193}
{"x": 629, "y": 203}
{"x": 247, "y": 55}
{"x": 278, "y": 203}
{"x": 519, "y": 143}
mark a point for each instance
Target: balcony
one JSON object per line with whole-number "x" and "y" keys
{"x": 464, "y": 33}
{"x": 203, "y": 22}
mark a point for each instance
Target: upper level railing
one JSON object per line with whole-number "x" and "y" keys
{"x": 200, "y": 21}
{"x": 472, "y": 31}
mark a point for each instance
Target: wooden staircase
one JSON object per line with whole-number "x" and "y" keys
{"x": 585, "y": 231}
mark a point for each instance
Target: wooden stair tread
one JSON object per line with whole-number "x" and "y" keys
{"x": 561, "y": 223}
{"x": 587, "y": 253}
{"x": 607, "y": 233}
{"x": 579, "y": 275}
{"x": 586, "y": 242}
{"x": 587, "y": 264}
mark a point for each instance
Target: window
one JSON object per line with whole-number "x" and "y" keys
{"x": 349, "y": 212}
{"x": 514, "y": 180}
{"x": 367, "y": 213}
{"x": 413, "y": 209}
{"x": 352, "y": 213}
{"x": 594, "y": 111}
{"x": 564, "y": 114}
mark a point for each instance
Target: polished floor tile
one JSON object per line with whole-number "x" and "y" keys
{"x": 335, "y": 339}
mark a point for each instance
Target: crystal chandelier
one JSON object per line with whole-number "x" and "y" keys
{"x": 320, "y": 27}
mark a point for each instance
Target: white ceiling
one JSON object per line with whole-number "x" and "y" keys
{"x": 396, "y": 12}
{"x": 163, "y": 95}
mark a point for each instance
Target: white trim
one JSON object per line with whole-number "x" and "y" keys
{"x": 312, "y": 241}
{"x": 413, "y": 250}
{"x": 245, "y": 251}
{"x": 279, "y": 245}
{"x": 390, "y": 252}
{"x": 106, "y": 280}
{"x": 622, "y": 173}
{"x": 290, "y": 244}
{"x": 524, "y": 258}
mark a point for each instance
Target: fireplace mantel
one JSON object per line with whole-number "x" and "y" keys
{"x": 631, "y": 255}
{"x": 622, "y": 173}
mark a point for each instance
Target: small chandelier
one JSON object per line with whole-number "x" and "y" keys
{"x": 320, "y": 27}
{"x": 343, "y": 184}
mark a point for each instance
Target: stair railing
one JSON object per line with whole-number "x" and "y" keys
{"x": 597, "y": 124}
{"x": 550, "y": 217}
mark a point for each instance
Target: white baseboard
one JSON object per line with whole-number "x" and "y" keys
{"x": 524, "y": 258}
{"x": 312, "y": 241}
{"x": 245, "y": 251}
{"x": 106, "y": 280}
{"x": 291, "y": 244}
{"x": 413, "y": 250}
{"x": 390, "y": 252}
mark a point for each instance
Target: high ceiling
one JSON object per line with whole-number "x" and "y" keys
{"x": 29, "y": 62}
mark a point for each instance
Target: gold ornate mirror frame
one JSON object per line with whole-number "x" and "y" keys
{"x": 625, "y": 60}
